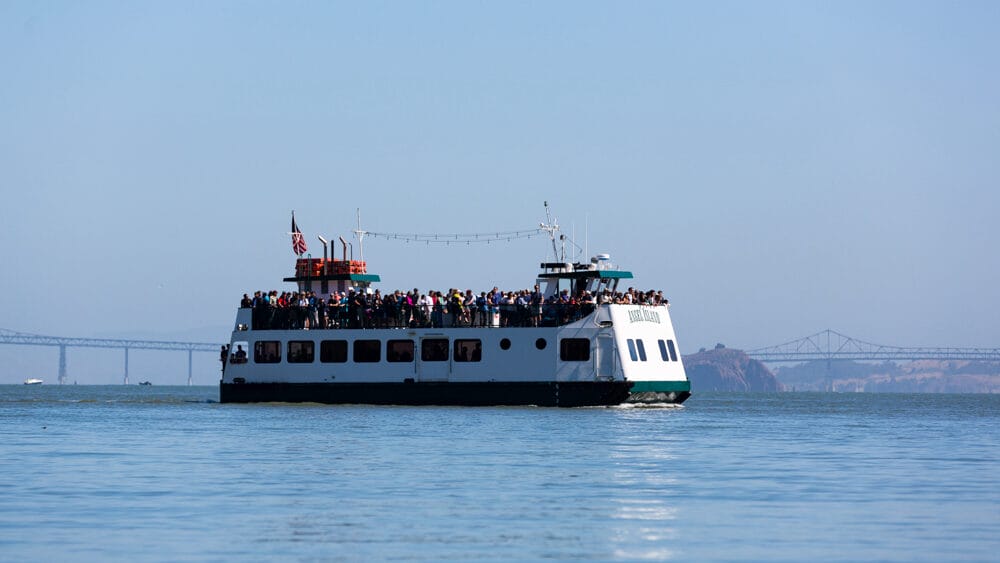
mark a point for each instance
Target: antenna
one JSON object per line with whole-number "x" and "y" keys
{"x": 550, "y": 226}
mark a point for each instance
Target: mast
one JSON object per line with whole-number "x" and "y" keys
{"x": 551, "y": 226}
{"x": 361, "y": 236}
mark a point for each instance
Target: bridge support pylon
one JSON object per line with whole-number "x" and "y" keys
{"x": 62, "y": 364}
{"x": 126, "y": 366}
{"x": 189, "y": 367}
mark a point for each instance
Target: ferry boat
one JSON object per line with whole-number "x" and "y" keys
{"x": 601, "y": 354}
{"x": 32, "y": 381}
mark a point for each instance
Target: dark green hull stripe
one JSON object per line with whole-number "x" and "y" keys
{"x": 661, "y": 386}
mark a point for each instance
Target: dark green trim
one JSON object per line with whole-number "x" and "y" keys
{"x": 588, "y": 274}
{"x": 369, "y": 278}
{"x": 661, "y": 386}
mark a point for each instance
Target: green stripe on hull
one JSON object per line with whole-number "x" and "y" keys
{"x": 661, "y": 386}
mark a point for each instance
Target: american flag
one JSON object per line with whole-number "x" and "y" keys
{"x": 298, "y": 241}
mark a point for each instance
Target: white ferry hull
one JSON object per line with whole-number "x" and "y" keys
{"x": 615, "y": 354}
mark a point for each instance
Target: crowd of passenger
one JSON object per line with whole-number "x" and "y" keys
{"x": 359, "y": 309}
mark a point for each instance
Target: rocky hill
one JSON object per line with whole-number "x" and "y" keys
{"x": 724, "y": 369}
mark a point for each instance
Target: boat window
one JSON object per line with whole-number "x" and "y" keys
{"x": 301, "y": 351}
{"x": 333, "y": 351}
{"x": 642, "y": 349}
{"x": 505, "y": 343}
{"x": 631, "y": 350}
{"x": 267, "y": 352}
{"x": 434, "y": 350}
{"x": 663, "y": 350}
{"x": 574, "y": 349}
{"x": 399, "y": 351}
{"x": 673, "y": 351}
{"x": 238, "y": 352}
{"x": 541, "y": 344}
{"x": 367, "y": 351}
{"x": 469, "y": 350}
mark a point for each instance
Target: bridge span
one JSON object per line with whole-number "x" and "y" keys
{"x": 830, "y": 345}
{"x": 23, "y": 338}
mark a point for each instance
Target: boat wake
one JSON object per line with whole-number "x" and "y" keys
{"x": 647, "y": 405}
{"x": 652, "y": 399}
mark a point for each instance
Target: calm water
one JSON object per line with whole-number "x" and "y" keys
{"x": 164, "y": 473}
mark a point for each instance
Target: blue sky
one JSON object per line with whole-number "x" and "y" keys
{"x": 777, "y": 168}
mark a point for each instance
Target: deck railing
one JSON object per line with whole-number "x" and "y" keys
{"x": 266, "y": 317}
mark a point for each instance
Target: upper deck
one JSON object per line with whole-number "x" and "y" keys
{"x": 337, "y": 294}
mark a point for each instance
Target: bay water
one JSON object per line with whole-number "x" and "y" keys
{"x": 148, "y": 473}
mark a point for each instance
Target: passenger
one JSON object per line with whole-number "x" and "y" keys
{"x": 481, "y": 308}
{"x": 377, "y": 310}
{"x": 508, "y": 306}
{"x": 303, "y": 313}
{"x": 313, "y": 310}
{"x": 333, "y": 310}
{"x": 522, "y": 309}
{"x": 345, "y": 313}
{"x": 471, "y": 310}
{"x": 389, "y": 305}
{"x": 360, "y": 306}
{"x": 437, "y": 313}
{"x": 321, "y": 320}
{"x": 456, "y": 306}
{"x": 406, "y": 302}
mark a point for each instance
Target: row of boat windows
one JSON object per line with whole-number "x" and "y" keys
{"x": 431, "y": 350}
{"x": 637, "y": 350}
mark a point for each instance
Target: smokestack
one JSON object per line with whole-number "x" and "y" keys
{"x": 324, "y": 241}
{"x": 344, "y": 242}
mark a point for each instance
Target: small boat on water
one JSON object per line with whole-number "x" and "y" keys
{"x": 145, "y": 383}
{"x": 581, "y": 345}
{"x": 33, "y": 381}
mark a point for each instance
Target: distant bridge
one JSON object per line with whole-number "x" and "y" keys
{"x": 831, "y": 345}
{"x": 12, "y": 337}
{"x": 827, "y": 345}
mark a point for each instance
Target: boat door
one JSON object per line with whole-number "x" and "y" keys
{"x": 433, "y": 362}
{"x": 604, "y": 362}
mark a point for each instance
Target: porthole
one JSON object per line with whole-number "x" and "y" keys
{"x": 505, "y": 344}
{"x": 540, "y": 343}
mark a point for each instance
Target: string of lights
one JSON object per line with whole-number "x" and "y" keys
{"x": 458, "y": 238}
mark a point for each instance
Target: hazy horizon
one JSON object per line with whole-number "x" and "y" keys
{"x": 776, "y": 168}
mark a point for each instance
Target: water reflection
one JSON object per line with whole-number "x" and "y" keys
{"x": 645, "y": 513}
